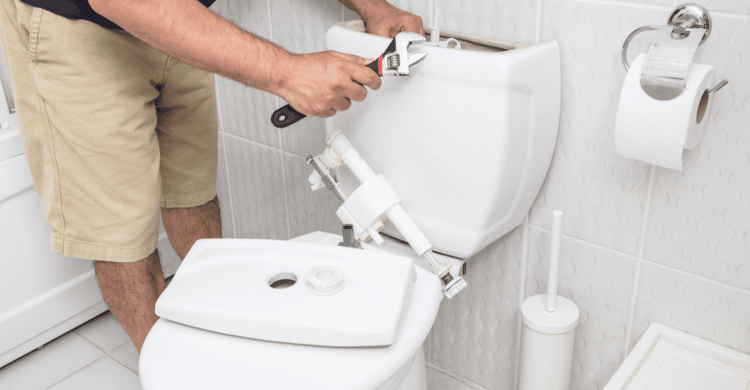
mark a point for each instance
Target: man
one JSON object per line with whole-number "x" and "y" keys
{"x": 118, "y": 123}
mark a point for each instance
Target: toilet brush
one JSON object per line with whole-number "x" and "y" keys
{"x": 548, "y": 332}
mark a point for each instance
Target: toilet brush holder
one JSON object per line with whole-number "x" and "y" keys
{"x": 548, "y": 332}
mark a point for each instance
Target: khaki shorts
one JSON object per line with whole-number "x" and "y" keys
{"x": 112, "y": 128}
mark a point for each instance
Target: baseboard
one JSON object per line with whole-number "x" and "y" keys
{"x": 49, "y": 315}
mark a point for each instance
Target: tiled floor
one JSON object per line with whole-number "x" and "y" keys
{"x": 99, "y": 355}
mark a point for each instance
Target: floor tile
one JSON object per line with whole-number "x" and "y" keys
{"x": 127, "y": 355}
{"x": 52, "y": 363}
{"x": 104, "y": 332}
{"x": 104, "y": 373}
{"x": 437, "y": 380}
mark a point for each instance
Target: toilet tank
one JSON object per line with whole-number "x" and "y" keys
{"x": 466, "y": 140}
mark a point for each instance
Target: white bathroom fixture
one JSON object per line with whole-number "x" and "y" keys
{"x": 668, "y": 359}
{"x": 374, "y": 202}
{"x": 465, "y": 142}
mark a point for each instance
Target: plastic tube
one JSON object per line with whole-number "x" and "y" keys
{"x": 554, "y": 260}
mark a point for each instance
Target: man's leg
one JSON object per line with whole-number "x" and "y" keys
{"x": 131, "y": 290}
{"x": 184, "y": 226}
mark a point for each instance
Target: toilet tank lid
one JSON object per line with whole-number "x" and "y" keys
{"x": 339, "y": 296}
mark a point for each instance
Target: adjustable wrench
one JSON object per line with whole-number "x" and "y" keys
{"x": 395, "y": 61}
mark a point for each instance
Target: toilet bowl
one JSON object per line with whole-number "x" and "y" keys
{"x": 179, "y": 356}
{"x": 462, "y": 145}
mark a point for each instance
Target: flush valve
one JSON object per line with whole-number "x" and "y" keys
{"x": 371, "y": 204}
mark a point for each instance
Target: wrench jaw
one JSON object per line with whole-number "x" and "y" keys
{"x": 398, "y": 62}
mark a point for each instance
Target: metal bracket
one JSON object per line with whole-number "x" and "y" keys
{"x": 668, "y": 60}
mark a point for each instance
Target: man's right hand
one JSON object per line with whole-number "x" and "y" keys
{"x": 320, "y": 84}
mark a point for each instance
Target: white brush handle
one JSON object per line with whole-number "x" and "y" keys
{"x": 554, "y": 260}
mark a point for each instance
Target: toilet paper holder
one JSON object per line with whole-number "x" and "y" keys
{"x": 668, "y": 60}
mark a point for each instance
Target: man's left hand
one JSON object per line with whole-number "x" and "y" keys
{"x": 387, "y": 21}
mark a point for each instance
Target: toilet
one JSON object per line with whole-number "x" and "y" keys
{"x": 465, "y": 141}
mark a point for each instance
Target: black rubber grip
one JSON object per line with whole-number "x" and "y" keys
{"x": 285, "y": 116}
{"x": 374, "y": 66}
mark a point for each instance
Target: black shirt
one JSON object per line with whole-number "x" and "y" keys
{"x": 80, "y": 9}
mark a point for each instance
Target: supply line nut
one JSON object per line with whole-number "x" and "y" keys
{"x": 456, "y": 285}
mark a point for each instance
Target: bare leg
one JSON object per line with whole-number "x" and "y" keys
{"x": 131, "y": 290}
{"x": 184, "y": 226}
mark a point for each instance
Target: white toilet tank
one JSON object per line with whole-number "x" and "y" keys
{"x": 466, "y": 140}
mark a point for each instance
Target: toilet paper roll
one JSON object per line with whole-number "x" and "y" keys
{"x": 657, "y": 131}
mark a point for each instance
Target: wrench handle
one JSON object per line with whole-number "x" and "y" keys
{"x": 287, "y": 116}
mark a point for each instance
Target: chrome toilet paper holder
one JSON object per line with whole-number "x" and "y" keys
{"x": 667, "y": 63}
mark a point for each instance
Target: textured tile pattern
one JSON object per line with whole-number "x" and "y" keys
{"x": 246, "y": 112}
{"x": 602, "y": 194}
{"x": 309, "y": 210}
{"x": 514, "y": 20}
{"x": 474, "y": 335}
{"x": 693, "y": 305}
{"x": 699, "y": 219}
{"x": 695, "y": 222}
{"x": 257, "y": 189}
{"x": 223, "y": 192}
{"x": 732, "y": 6}
{"x": 300, "y": 27}
{"x": 600, "y": 282}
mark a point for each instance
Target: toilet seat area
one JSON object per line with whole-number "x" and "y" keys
{"x": 177, "y": 356}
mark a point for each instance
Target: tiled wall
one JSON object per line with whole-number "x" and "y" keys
{"x": 640, "y": 244}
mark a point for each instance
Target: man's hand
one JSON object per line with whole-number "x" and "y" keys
{"x": 319, "y": 84}
{"x": 384, "y": 19}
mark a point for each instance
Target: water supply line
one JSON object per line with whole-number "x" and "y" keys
{"x": 372, "y": 203}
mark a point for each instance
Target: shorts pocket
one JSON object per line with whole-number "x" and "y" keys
{"x": 36, "y": 21}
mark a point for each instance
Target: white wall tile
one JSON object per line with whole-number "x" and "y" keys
{"x": 222, "y": 191}
{"x": 600, "y": 282}
{"x": 733, "y": 6}
{"x": 650, "y": 2}
{"x": 246, "y": 112}
{"x": 257, "y": 189}
{"x": 300, "y": 27}
{"x": 602, "y": 194}
{"x": 418, "y": 7}
{"x": 513, "y": 20}
{"x": 693, "y": 305}
{"x": 474, "y": 335}
{"x": 309, "y": 210}
{"x": 698, "y": 218}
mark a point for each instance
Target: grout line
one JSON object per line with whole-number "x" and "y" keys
{"x": 632, "y": 306}
{"x": 634, "y": 296}
{"x": 521, "y": 294}
{"x": 229, "y": 186}
{"x": 686, "y": 273}
{"x": 591, "y": 244}
{"x": 263, "y": 145}
{"x": 456, "y": 377}
{"x": 538, "y": 22}
{"x": 286, "y": 197}
{"x": 76, "y": 371}
{"x": 649, "y": 195}
{"x": 226, "y": 159}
